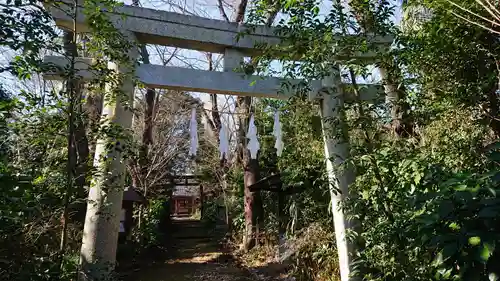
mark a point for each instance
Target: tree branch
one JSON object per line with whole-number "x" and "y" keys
{"x": 240, "y": 12}
{"x": 221, "y": 10}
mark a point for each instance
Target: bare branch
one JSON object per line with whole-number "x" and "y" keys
{"x": 221, "y": 10}
{"x": 490, "y": 8}
{"x": 477, "y": 15}
{"x": 475, "y": 23}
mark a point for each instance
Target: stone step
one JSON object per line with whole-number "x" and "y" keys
{"x": 198, "y": 234}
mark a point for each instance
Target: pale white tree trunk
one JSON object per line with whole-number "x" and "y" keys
{"x": 100, "y": 234}
{"x": 336, "y": 153}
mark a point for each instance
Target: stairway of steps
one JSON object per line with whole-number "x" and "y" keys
{"x": 197, "y": 256}
{"x": 193, "y": 236}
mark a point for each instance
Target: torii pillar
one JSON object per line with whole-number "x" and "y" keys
{"x": 100, "y": 233}
{"x": 336, "y": 147}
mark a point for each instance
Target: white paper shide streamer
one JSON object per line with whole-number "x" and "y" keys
{"x": 277, "y": 134}
{"x": 193, "y": 133}
{"x": 253, "y": 143}
{"x": 223, "y": 142}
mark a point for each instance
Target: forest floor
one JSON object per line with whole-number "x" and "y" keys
{"x": 197, "y": 254}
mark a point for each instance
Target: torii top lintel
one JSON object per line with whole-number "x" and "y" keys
{"x": 183, "y": 31}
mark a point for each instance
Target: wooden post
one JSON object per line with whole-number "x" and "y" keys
{"x": 129, "y": 216}
{"x": 192, "y": 205}
{"x": 274, "y": 184}
{"x": 201, "y": 200}
{"x": 281, "y": 222}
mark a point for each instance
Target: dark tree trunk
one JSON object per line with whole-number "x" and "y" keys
{"x": 78, "y": 145}
{"x": 81, "y": 144}
{"x": 93, "y": 109}
{"x": 253, "y": 201}
{"x": 147, "y": 134}
{"x": 240, "y": 13}
{"x": 254, "y": 213}
{"x": 83, "y": 152}
{"x": 72, "y": 90}
{"x": 139, "y": 179}
{"x": 215, "y": 114}
{"x": 217, "y": 123}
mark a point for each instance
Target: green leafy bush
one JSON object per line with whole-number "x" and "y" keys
{"x": 210, "y": 211}
{"x": 149, "y": 232}
{"x": 459, "y": 224}
{"x": 428, "y": 221}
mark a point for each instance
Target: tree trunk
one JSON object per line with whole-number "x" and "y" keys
{"x": 147, "y": 136}
{"x": 215, "y": 115}
{"x": 139, "y": 180}
{"x": 216, "y": 122}
{"x": 240, "y": 12}
{"x": 80, "y": 135}
{"x": 253, "y": 201}
{"x": 93, "y": 109}
{"x": 254, "y": 212}
{"x": 394, "y": 96}
{"x": 390, "y": 73}
{"x": 80, "y": 146}
{"x": 72, "y": 91}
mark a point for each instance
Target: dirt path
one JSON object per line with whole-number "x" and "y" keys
{"x": 197, "y": 256}
{"x": 196, "y": 269}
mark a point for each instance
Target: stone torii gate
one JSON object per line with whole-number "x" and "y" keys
{"x": 149, "y": 26}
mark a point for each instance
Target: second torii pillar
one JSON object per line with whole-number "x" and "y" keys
{"x": 340, "y": 176}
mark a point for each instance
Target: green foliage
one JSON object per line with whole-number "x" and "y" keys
{"x": 210, "y": 211}
{"x": 236, "y": 210}
{"x": 32, "y": 182}
{"x": 38, "y": 166}
{"x": 458, "y": 224}
{"x": 424, "y": 208}
{"x": 452, "y": 63}
{"x": 302, "y": 159}
{"x": 149, "y": 232}
{"x": 30, "y": 170}
{"x": 27, "y": 28}
{"x": 423, "y": 220}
